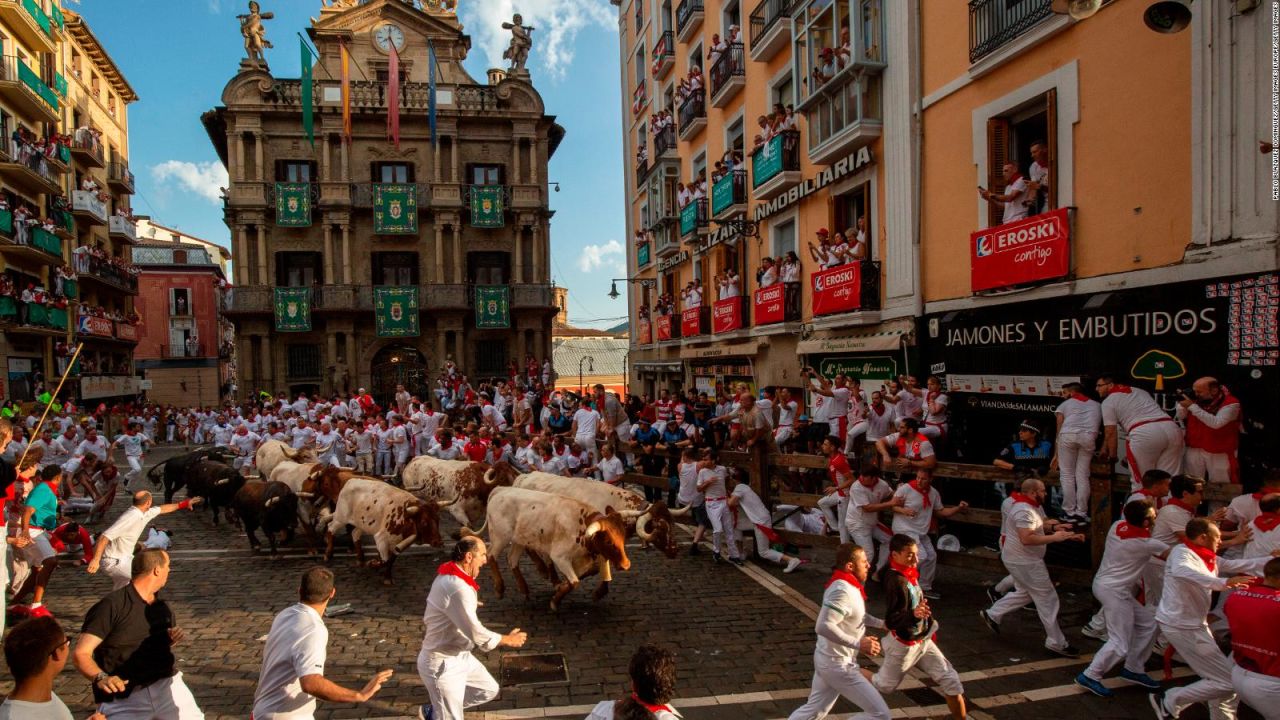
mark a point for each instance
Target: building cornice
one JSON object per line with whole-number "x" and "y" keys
{"x": 85, "y": 38}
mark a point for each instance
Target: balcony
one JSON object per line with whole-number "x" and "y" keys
{"x": 664, "y": 143}
{"x": 667, "y": 327}
{"x": 770, "y": 29}
{"x": 850, "y": 288}
{"x": 695, "y": 321}
{"x": 693, "y": 219}
{"x": 775, "y": 166}
{"x": 644, "y": 330}
{"x": 120, "y": 178}
{"x": 532, "y": 296}
{"x": 693, "y": 114}
{"x": 728, "y": 75}
{"x": 87, "y": 150}
{"x": 362, "y": 194}
{"x": 122, "y": 228}
{"x": 843, "y": 117}
{"x": 335, "y": 193}
{"x": 639, "y": 98}
{"x": 32, "y": 174}
{"x": 29, "y": 23}
{"x": 249, "y": 300}
{"x": 643, "y": 255}
{"x": 729, "y": 195}
{"x": 30, "y": 243}
{"x": 126, "y": 332}
{"x": 664, "y": 55}
{"x": 25, "y": 91}
{"x": 995, "y": 23}
{"x": 86, "y": 205}
{"x": 665, "y": 242}
{"x": 688, "y": 19}
{"x": 198, "y": 349}
{"x": 730, "y": 315}
{"x": 642, "y": 171}
{"x": 778, "y": 303}
{"x": 487, "y": 205}
{"x": 103, "y": 271}
{"x": 33, "y": 318}
{"x": 446, "y": 297}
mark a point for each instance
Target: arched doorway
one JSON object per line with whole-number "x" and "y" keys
{"x": 396, "y": 365}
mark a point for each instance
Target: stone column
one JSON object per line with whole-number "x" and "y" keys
{"x": 515, "y": 161}
{"x": 324, "y": 157}
{"x": 238, "y": 146}
{"x": 539, "y": 349}
{"x": 240, "y": 255}
{"x": 352, "y": 359}
{"x": 329, "y": 276}
{"x": 346, "y": 254}
{"x": 519, "y": 257}
{"x": 346, "y": 163}
{"x": 259, "y": 157}
{"x": 533, "y": 161}
{"x": 536, "y": 246}
{"x": 263, "y": 278}
{"x": 459, "y": 350}
{"x": 268, "y": 369}
{"x": 332, "y": 357}
{"x": 435, "y": 161}
{"x": 459, "y": 267}
{"x": 439, "y": 254}
{"x": 521, "y": 347}
{"x": 441, "y": 347}
{"x": 453, "y": 159}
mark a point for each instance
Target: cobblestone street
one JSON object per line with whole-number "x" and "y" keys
{"x": 744, "y": 637}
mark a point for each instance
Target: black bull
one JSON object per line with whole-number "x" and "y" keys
{"x": 271, "y": 506}
{"x": 216, "y": 483}
{"x": 175, "y": 471}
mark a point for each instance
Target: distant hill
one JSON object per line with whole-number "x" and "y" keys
{"x": 619, "y": 329}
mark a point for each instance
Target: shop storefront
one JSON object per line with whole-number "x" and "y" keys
{"x": 1007, "y": 363}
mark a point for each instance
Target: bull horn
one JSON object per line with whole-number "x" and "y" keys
{"x": 631, "y": 514}
{"x": 488, "y": 477}
{"x": 682, "y": 511}
{"x": 411, "y": 510}
{"x": 593, "y": 528}
{"x": 405, "y": 543}
{"x": 305, "y": 495}
{"x": 468, "y": 532}
{"x": 223, "y": 481}
{"x": 272, "y": 501}
{"x": 290, "y": 453}
{"x": 640, "y": 523}
{"x": 447, "y": 503}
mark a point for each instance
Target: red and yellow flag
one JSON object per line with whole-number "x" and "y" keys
{"x": 393, "y": 97}
{"x": 346, "y": 92}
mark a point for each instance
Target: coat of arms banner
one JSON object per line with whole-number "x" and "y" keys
{"x": 293, "y": 309}
{"x": 395, "y": 209}
{"x": 493, "y": 306}
{"x": 293, "y": 204}
{"x": 396, "y": 311}
{"x": 486, "y": 206}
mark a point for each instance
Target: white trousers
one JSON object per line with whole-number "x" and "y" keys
{"x": 834, "y": 507}
{"x": 119, "y": 570}
{"x": 851, "y": 437}
{"x": 1258, "y": 691}
{"x": 135, "y": 469}
{"x": 928, "y": 559}
{"x": 722, "y": 525}
{"x": 1155, "y": 445}
{"x": 1075, "y": 452}
{"x": 455, "y": 683}
{"x": 1213, "y": 467}
{"x": 588, "y": 443}
{"x": 1199, "y": 650}
{"x": 167, "y": 699}
{"x": 764, "y": 549}
{"x": 899, "y": 658}
{"x": 866, "y": 538}
{"x": 1031, "y": 584}
{"x": 1131, "y": 629}
{"x": 782, "y": 433}
{"x": 834, "y": 678}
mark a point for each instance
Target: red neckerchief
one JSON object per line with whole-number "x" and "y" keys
{"x": 651, "y": 708}
{"x": 838, "y": 464}
{"x": 849, "y": 578}
{"x": 915, "y": 485}
{"x": 1116, "y": 387}
{"x": 929, "y": 396}
{"x": 879, "y": 410}
{"x": 1080, "y": 396}
{"x": 1016, "y": 177}
{"x": 1125, "y": 531}
{"x": 1259, "y": 495}
{"x": 1267, "y": 522}
{"x": 1020, "y": 498}
{"x": 912, "y": 574}
{"x": 1178, "y": 503}
{"x": 451, "y": 568}
{"x": 1209, "y": 557}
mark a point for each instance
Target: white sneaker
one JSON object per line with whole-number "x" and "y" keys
{"x": 791, "y": 566}
{"x": 1091, "y": 632}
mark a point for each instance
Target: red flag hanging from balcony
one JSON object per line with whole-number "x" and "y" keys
{"x": 346, "y": 92}
{"x": 393, "y": 97}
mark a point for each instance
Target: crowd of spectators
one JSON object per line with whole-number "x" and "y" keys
{"x": 842, "y": 248}
{"x": 95, "y": 259}
{"x": 691, "y": 84}
{"x": 779, "y": 120}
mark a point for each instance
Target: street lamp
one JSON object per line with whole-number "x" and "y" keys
{"x": 644, "y": 283}
{"x": 591, "y": 365}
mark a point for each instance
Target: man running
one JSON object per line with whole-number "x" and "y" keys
{"x": 114, "y": 550}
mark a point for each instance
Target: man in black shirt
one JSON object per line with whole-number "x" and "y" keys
{"x": 912, "y": 629}
{"x": 126, "y": 648}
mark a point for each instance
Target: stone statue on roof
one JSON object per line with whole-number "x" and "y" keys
{"x": 255, "y": 34}
{"x": 521, "y": 41}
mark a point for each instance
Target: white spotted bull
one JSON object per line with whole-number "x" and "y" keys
{"x": 469, "y": 482}
{"x": 395, "y": 518}
{"x": 273, "y": 452}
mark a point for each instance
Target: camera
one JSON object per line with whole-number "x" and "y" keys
{"x": 1187, "y": 393}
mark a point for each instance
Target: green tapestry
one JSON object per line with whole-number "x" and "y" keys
{"x": 8, "y": 307}
{"x": 293, "y": 309}
{"x": 396, "y": 311}
{"x": 46, "y": 241}
{"x": 70, "y": 288}
{"x": 293, "y": 204}
{"x": 395, "y": 209}
{"x": 486, "y": 206}
{"x": 493, "y": 306}
{"x": 58, "y": 318}
{"x": 6, "y": 222}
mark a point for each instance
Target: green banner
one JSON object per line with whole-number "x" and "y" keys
{"x": 766, "y": 162}
{"x": 58, "y": 19}
{"x": 46, "y": 241}
{"x": 396, "y": 311}
{"x": 689, "y": 217}
{"x": 864, "y": 367}
{"x": 293, "y": 309}
{"x": 8, "y": 307}
{"x": 293, "y": 204}
{"x": 486, "y": 206}
{"x": 493, "y": 306}
{"x": 722, "y": 194}
{"x": 37, "y": 314}
{"x": 58, "y": 317}
{"x": 6, "y": 222}
{"x": 71, "y": 289}
{"x": 395, "y": 209}
{"x": 642, "y": 255}
{"x": 308, "y": 94}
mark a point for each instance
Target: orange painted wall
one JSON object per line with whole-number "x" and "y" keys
{"x": 1132, "y": 144}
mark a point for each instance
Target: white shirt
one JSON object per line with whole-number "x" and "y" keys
{"x": 842, "y": 622}
{"x": 1188, "y": 583}
{"x": 1123, "y": 561}
{"x": 787, "y": 413}
{"x": 303, "y": 437}
{"x": 790, "y": 272}
{"x": 859, "y": 496}
{"x": 610, "y": 468}
{"x": 53, "y": 710}
{"x": 917, "y": 449}
{"x": 1080, "y": 416}
{"x": 555, "y": 464}
{"x": 453, "y": 452}
{"x": 917, "y": 526}
{"x": 768, "y": 277}
{"x": 222, "y": 435}
{"x": 716, "y": 490}
{"x": 1021, "y": 515}
{"x": 1014, "y": 209}
{"x": 940, "y": 417}
{"x": 1243, "y": 509}
{"x": 1263, "y": 542}
{"x": 96, "y": 447}
{"x": 588, "y": 421}
{"x": 910, "y": 404}
{"x": 124, "y": 532}
{"x": 246, "y": 444}
{"x": 452, "y": 627}
{"x": 1170, "y": 521}
{"x": 1127, "y": 409}
{"x": 604, "y": 711}
{"x": 688, "y": 474}
{"x": 296, "y": 647}
{"x": 881, "y": 424}
{"x": 838, "y": 403}
{"x": 751, "y": 506}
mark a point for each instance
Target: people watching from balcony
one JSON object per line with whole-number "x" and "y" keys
{"x": 1038, "y": 174}
{"x": 642, "y": 155}
{"x": 858, "y": 234}
{"x": 824, "y": 252}
{"x": 683, "y": 195}
{"x": 790, "y": 267}
{"x": 691, "y": 295}
{"x": 729, "y": 285}
{"x": 660, "y": 121}
{"x": 716, "y": 48}
{"x": 700, "y": 185}
{"x": 88, "y": 137}
{"x": 826, "y": 68}
{"x": 1016, "y": 198}
{"x": 640, "y": 238}
{"x": 97, "y": 261}
{"x": 643, "y": 312}
{"x": 665, "y": 304}
{"x": 845, "y": 52}
{"x": 767, "y": 275}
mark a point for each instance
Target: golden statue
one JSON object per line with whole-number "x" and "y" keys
{"x": 255, "y": 35}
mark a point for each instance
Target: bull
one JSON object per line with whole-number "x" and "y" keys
{"x": 174, "y": 470}
{"x": 394, "y": 517}
{"x": 470, "y": 482}
{"x": 217, "y": 484}
{"x": 576, "y": 537}
{"x": 273, "y": 452}
{"x": 271, "y": 506}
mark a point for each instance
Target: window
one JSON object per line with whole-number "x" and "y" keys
{"x": 1010, "y": 138}
{"x": 488, "y": 268}
{"x": 298, "y": 269}
{"x": 733, "y": 136}
{"x": 784, "y": 238}
{"x": 644, "y": 217}
{"x": 666, "y": 16}
{"x": 303, "y": 361}
{"x": 491, "y": 357}
{"x": 486, "y": 174}
{"x": 385, "y": 172}
{"x": 732, "y": 17}
{"x": 669, "y": 98}
{"x": 784, "y": 92}
{"x": 180, "y": 301}
{"x": 853, "y": 211}
{"x": 295, "y": 171}
{"x": 699, "y": 165}
{"x": 640, "y": 68}
{"x": 695, "y": 57}
{"x": 395, "y": 268}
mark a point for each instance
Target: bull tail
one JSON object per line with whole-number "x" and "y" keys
{"x": 154, "y": 473}
{"x": 468, "y": 532}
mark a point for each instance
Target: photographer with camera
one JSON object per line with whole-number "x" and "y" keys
{"x": 1211, "y": 416}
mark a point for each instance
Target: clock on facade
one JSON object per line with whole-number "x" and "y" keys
{"x": 384, "y": 36}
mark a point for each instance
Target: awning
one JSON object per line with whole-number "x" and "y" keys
{"x": 745, "y": 349}
{"x": 887, "y": 337}
{"x": 659, "y": 366}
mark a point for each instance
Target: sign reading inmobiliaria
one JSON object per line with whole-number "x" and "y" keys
{"x": 689, "y": 325}
{"x": 726, "y": 315}
{"x": 771, "y": 304}
{"x": 838, "y": 289}
{"x": 664, "y": 327}
{"x": 1020, "y": 252}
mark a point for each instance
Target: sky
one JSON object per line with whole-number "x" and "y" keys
{"x": 178, "y": 56}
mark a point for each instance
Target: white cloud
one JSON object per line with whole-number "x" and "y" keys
{"x": 204, "y": 179}
{"x": 594, "y": 257}
{"x": 557, "y": 24}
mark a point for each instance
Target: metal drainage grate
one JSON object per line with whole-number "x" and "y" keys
{"x": 539, "y": 669}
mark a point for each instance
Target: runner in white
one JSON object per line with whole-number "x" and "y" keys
{"x": 245, "y": 443}
{"x": 134, "y": 443}
{"x": 711, "y": 483}
{"x": 113, "y": 552}
{"x": 920, "y": 503}
{"x": 935, "y": 410}
{"x": 868, "y": 497}
{"x": 1153, "y": 439}
{"x": 786, "y": 417}
{"x": 753, "y": 515}
{"x": 1078, "y": 418}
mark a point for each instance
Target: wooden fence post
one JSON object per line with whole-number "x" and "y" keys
{"x": 760, "y": 473}
{"x": 1102, "y": 511}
